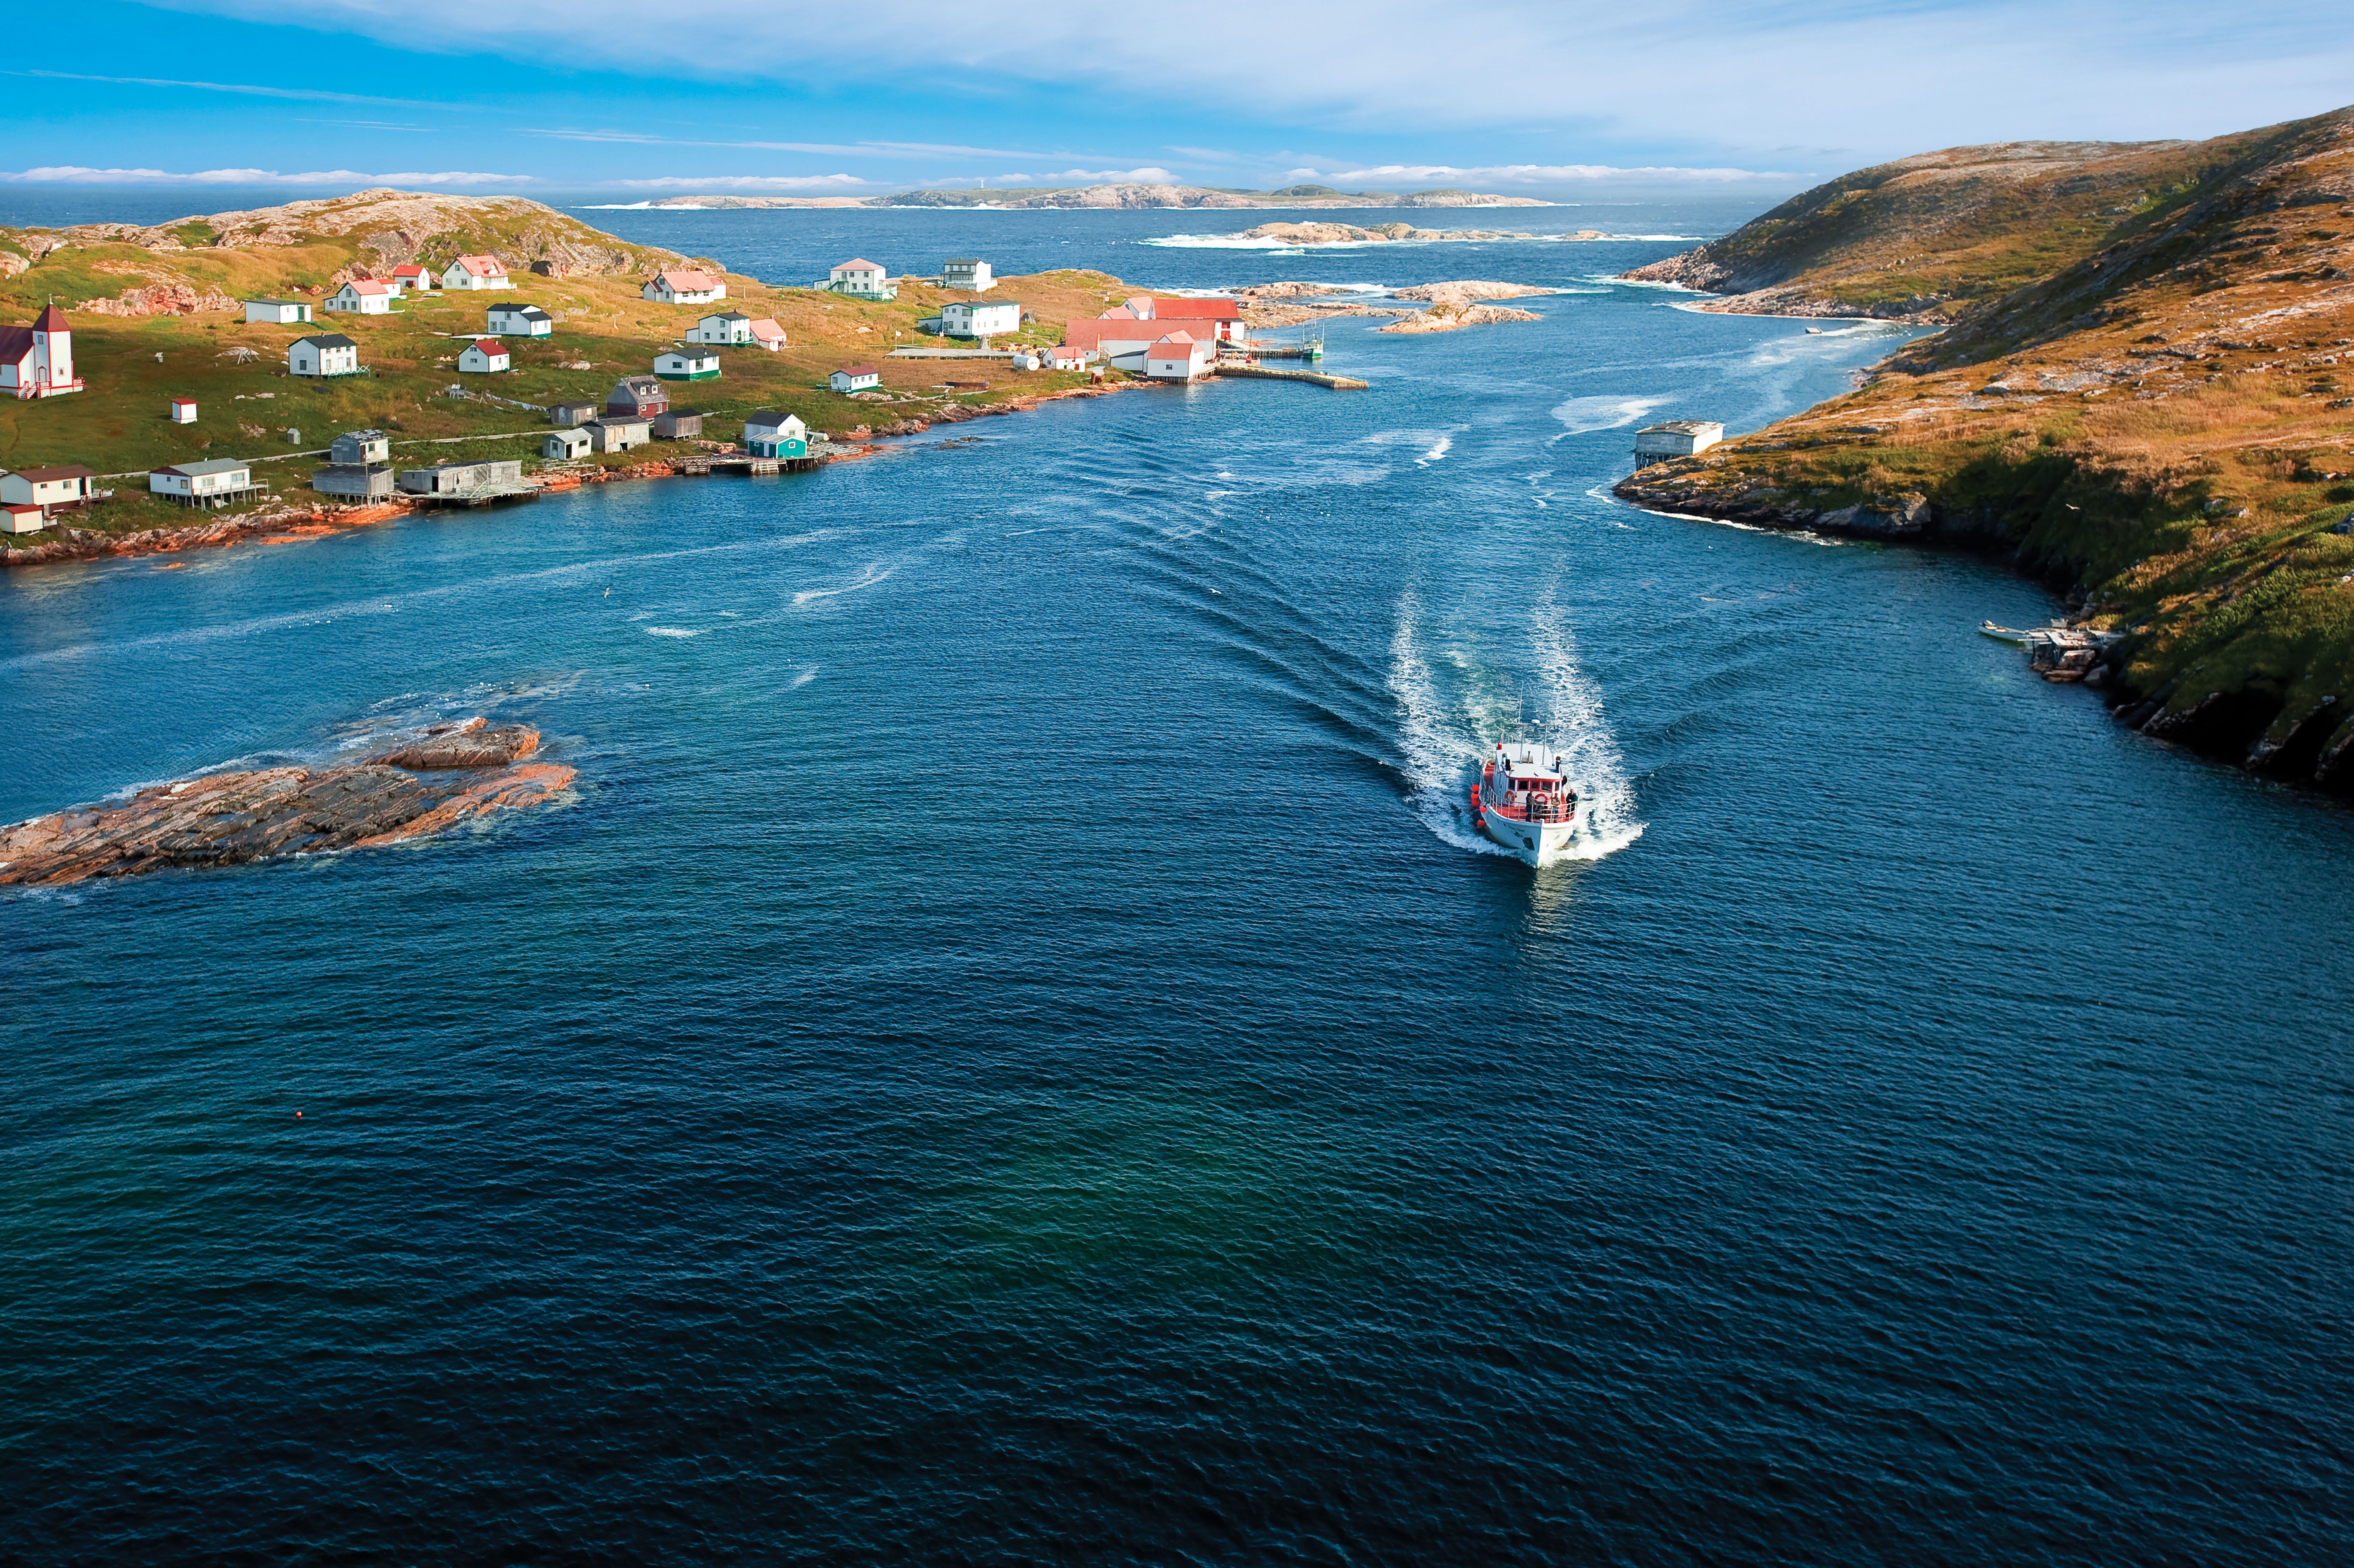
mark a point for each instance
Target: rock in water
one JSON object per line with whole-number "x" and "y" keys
{"x": 423, "y": 786}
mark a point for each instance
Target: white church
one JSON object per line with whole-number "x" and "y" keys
{"x": 37, "y": 361}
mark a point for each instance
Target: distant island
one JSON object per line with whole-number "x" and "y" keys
{"x": 1108, "y": 196}
{"x": 2142, "y": 392}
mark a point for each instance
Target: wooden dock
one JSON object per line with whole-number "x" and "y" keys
{"x": 475, "y": 494}
{"x": 1313, "y": 377}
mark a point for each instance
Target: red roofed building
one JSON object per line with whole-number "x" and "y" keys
{"x": 475, "y": 272}
{"x": 1179, "y": 356}
{"x": 1121, "y": 339}
{"x": 1221, "y": 319}
{"x": 409, "y": 275}
{"x": 484, "y": 354}
{"x": 685, "y": 286}
{"x": 37, "y": 361}
{"x": 862, "y": 278}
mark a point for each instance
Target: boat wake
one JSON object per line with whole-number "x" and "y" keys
{"x": 1445, "y": 735}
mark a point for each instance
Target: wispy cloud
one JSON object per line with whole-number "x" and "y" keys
{"x": 907, "y": 150}
{"x": 1534, "y": 175}
{"x": 1672, "y": 75}
{"x": 305, "y": 94}
{"x": 779, "y": 183}
{"x": 73, "y": 174}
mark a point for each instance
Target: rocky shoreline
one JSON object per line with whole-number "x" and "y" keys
{"x": 2316, "y": 749}
{"x": 287, "y": 524}
{"x": 430, "y": 782}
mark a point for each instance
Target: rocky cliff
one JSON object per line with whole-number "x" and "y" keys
{"x": 1924, "y": 238}
{"x": 2159, "y": 421}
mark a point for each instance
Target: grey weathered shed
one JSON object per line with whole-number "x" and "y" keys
{"x": 619, "y": 435}
{"x": 569, "y": 414}
{"x": 676, "y": 424}
{"x": 449, "y": 478}
{"x": 361, "y": 447}
{"x": 356, "y": 481}
{"x": 1676, "y": 437}
{"x": 561, "y": 445}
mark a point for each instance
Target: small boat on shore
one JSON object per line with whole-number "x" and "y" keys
{"x": 2001, "y": 633}
{"x": 1523, "y": 801}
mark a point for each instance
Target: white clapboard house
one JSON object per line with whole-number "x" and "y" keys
{"x": 485, "y": 355}
{"x": 977, "y": 318}
{"x": 727, "y": 327}
{"x": 323, "y": 353}
{"x": 685, "y": 286}
{"x": 521, "y": 320}
{"x": 475, "y": 272}
{"x": 363, "y": 297}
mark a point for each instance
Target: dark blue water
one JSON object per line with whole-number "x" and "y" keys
{"x": 1012, "y": 1053}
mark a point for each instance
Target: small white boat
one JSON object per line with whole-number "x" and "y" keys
{"x": 1523, "y": 801}
{"x": 2001, "y": 633}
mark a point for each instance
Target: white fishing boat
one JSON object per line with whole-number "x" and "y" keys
{"x": 1523, "y": 801}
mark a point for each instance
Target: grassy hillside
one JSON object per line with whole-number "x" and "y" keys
{"x": 196, "y": 342}
{"x": 1925, "y": 237}
{"x": 2166, "y": 423}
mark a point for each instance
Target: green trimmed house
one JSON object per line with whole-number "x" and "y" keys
{"x": 687, "y": 365}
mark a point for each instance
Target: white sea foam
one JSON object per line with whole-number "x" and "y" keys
{"x": 1607, "y": 412}
{"x": 871, "y": 575}
{"x": 1443, "y": 739}
{"x": 672, "y": 631}
{"x": 1444, "y": 444}
{"x": 1573, "y": 721}
{"x": 1436, "y": 744}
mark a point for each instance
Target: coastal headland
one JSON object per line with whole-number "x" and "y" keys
{"x": 155, "y": 316}
{"x": 422, "y": 785}
{"x": 2142, "y": 392}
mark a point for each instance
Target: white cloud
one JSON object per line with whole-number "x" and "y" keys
{"x": 74, "y": 175}
{"x": 1149, "y": 177}
{"x": 1532, "y": 174}
{"x": 752, "y": 182}
{"x": 1668, "y": 76}
{"x": 247, "y": 88}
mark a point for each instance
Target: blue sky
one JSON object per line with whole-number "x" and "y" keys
{"x": 1557, "y": 100}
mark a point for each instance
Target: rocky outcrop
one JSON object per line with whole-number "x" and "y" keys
{"x": 1466, "y": 198}
{"x": 159, "y": 300}
{"x": 442, "y": 777}
{"x": 71, "y": 544}
{"x": 1134, "y": 195}
{"x": 1452, "y": 318}
{"x": 1389, "y": 233}
{"x": 1464, "y": 293}
{"x": 389, "y": 227}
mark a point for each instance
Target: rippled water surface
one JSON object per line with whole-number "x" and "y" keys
{"x": 1011, "y": 1052}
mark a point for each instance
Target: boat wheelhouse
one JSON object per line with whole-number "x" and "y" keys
{"x": 1525, "y": 801}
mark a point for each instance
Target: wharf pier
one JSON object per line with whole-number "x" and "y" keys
{"x": 476, "y": 494}
{"x": 1313, "y": 377}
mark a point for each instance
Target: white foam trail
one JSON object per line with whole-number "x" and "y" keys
{"x": 671, "y": 632}
{"x": 1437, "y": 453}
{"x": 1574, "y": 723}
{"x": 1438, "y": 750}
{"x": 804, "y": 678}
{"x": 1603, "y": 413}
{"x": 874, "y": 575}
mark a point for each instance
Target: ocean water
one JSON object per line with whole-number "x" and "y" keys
{"x": 1011, "y": 1053}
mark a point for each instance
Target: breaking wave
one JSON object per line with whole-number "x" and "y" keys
{"x": 1579, "y": 415}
